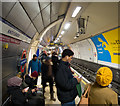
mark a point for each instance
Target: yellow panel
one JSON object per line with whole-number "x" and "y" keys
{"x": 113, "y": 45}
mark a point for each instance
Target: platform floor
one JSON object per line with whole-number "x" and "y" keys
{"x": 49, "y": 102}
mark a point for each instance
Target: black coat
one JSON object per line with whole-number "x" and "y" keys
{"x": 66, "y": 84}
{"x": 55, "y": 64}
{"x": 30, "y": 82}
{"x": 17, "y": 96}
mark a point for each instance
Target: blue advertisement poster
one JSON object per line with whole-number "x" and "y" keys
{"x": 101, "y": 43}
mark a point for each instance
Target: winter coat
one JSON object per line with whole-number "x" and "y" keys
{"x": 102, "y": 95}
{"x": 30, "y": 82}
{"x": 55, "y": 64}
{"x": 35, "y": 66}
{"x": 46, "y": 69}
{"x": 17, "y": 96}
{"x": 66, "y": 83}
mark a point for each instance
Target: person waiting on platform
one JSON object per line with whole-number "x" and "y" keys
{"x": 47, "y": 76}
{"x": 65, "y": 81}
{"x": 35, "y": 65}
{"x": 99, "y": 91}
{"x": 55, "y": 62}
{"x": 18, "y": 96}
{"x": 31, "y": 80}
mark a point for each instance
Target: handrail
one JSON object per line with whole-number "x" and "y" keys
{"x": 6, "y": 101}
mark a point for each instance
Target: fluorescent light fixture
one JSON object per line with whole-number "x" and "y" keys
{"x": 60, "y": 36}
{"x": 67, "y": 25}
{"x": 75, "y": 37}
{"x": 62, "y": 32}
{"x": 76, "y": 11}
{"x": 55, "y": 41}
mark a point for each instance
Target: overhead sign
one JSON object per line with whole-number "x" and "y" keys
{"x": 56, "y": 44}
{"x": 10, "y": 31}
{"x": 8, "y": 39}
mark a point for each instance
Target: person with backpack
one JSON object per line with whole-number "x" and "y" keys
{"x": 35, "y": 65}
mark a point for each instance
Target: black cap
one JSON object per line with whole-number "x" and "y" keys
{"x": 34, "y": 55}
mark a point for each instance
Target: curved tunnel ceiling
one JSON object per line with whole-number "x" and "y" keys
{"x": 102, "y": 16}
{"x": 33, "y": 17}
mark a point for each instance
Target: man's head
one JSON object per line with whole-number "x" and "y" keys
{"x": 67, "y": 55}
{"x": 34, "y": 57}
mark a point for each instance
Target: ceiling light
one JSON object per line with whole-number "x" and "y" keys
{"x": 75, "y": 37}
{"x": 62, "y": 32}
{"x": 60, "y": 36}
{"x": 55, "y": 41}
{"x": 76, "y": 11}
{"x": 67, "y": 26}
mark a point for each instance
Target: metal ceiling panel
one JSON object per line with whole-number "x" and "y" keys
{"x": 6, "y": 7}
{"x": 57, "y": 28}
{"x": 46, "y": 22}
{"x": 38, "y": 23}
{"x": 46, "y": 15}
{"x": 32, "y": 8}
{"x": 19, "y": 18}
{"x": 53, "y": 18}
{"x": 53, "y": 30}
{"x": 43, "y": 4}
{"x": 55, "y": 8}
{"x": 31, "y": 30}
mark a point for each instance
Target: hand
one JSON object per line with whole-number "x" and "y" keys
{"x": 75, "y": 76}
{"x": 33, "y": 90}
{"x": 25, "y": 90}
{"x": 78, "y": 79}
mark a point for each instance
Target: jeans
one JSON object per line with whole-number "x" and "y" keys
{"x": 69, "y": 103}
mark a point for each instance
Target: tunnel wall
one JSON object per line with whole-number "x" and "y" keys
{"x": 13, "y": 43}
{"x": 103, "y": 48}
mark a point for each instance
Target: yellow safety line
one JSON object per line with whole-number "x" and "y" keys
{"x": 83, "y": 82}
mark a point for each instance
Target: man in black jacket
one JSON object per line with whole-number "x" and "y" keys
{"x": 65, "y": 81}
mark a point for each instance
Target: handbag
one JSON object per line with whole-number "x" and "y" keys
{"x": 84, "y": 99}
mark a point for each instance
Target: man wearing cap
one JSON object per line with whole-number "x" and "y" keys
{"x": 35, "y": 65}
{"x": 100, "y": 93}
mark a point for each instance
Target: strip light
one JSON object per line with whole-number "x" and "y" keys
{"x": 67, "y": 26}
{"x": 62, "y": 32}
{"x": 76, "y": 11}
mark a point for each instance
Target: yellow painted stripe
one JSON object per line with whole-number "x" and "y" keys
{"x": 83, "y": 82}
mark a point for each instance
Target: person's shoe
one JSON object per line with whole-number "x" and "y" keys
{"x": 53, "y": 99}
{"x": 44, "y": 97}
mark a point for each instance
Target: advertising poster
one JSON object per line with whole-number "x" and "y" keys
{"x": 108, "y": 46}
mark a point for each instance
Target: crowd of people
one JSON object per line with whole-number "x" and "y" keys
{"x": 24, "y": 90}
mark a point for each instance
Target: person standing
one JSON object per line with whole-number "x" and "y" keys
{"x": 65, "y": 81}
{"x": 55, "y": 62}
{"x": 99, "y": 92}
{"x": 35, "y": 65}
{"x": 47, "y": 76}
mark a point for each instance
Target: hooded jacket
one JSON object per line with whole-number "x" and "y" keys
{"x": 66, "y": 83}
